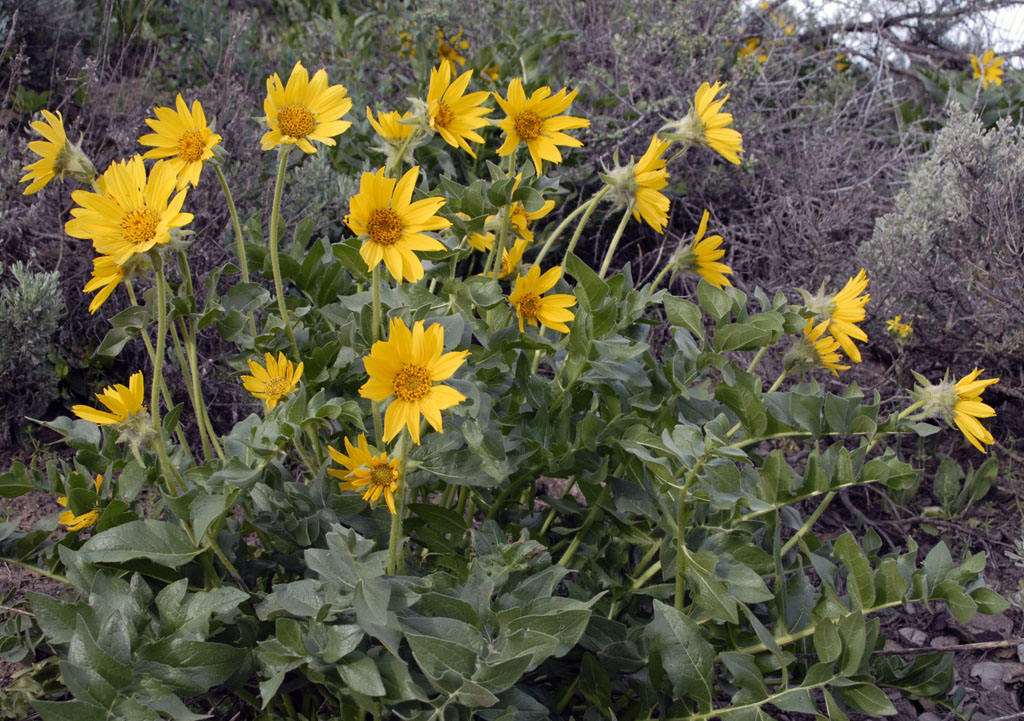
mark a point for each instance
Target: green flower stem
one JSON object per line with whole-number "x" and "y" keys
{"x": 174, "y": 480}
{"x": 587, "y": 523}
{"x": 589, "y": 203}
{"x": 648, "y": 556}
{"x": 186, "y": 371}
{"x": 682, "y": 511}
{"x": 615, "y": 242}
{"x": 664, "y": 271}
{"x": 243, "y": 262}
{"x": 645, "y": 576}
{"x": 165, "y": 392}
{"x": 275, "y": 261}
{"x": 448, "y": 496}
{"x": 309, "y": 462}
{"x": 506, "y": 217}
{"x": 36, "y": 569}
{"x": 396, "y": 562}
{"x": 583, "y": 222}
{"x": 378, "y": 426}
{"x": 757, "y": 359}
{"x": 393, "y": 169}
{"x": 460, "y": 506}
{"x": 202, "y": 414}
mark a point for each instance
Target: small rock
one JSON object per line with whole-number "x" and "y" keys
{"x": 891, "y": 645}
{"x": 1012, "y": 672}
{"x": 990, "y": 674}
{"x": 929, "y": 716}
{"x": 913, "y": 636}
{"x": 990, "y": 628}
{"x": 946, "y": 641}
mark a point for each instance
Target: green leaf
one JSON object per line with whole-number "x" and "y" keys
{"x": 827, "y": 643}
{"x": 361, "y": 676}
{"x": 960, "y": 604}
{"x": 988, "y": 601}
{"x": 682, "y": 312}
{"x": 69, "y": 711}
{"x": 868, "y": 699}
{"x": 860, "y": 580}
{"x": 157, "y": 541}
{"x": 595, "y": 290}
{"x": 190, "y": 667}
{"x": 745, "y": 673}
{"x": 680, "y": 652}
{"x": 709, "y": 593}
{"x": 740, "y": 336}
{"x": 716, "y": 302}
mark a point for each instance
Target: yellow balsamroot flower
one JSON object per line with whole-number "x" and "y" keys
{"x": 843, "y": 311}
{"x": 383, "y": 212}
{"x": 815, "y": 349}
{"x": 448, "y": 48}
{"x": 491, "y": 72}
{"x": 406, "y": 368}
{"x": 122, "y": 403}
{"x": 183, "y": 136}
{"x": 537, "y": 121}
{"x": 132, "y": 213}
{"x": 106, "y": 275}
{"x": 750, "y": 47}
{"x": 389, "y": 125}
{"x": 481, "y": 242}
{"x": 271, "y": 384}
{"x": 987, "y": 69}
{"x": 532, "y": 306}
{"x": 901, "y": 332}
{"x": 77, "y": 523}
{"x": 304, "y": 110}
{"x": 707, "y": 125}
{"x": 453, "y": 114}
{"x": 959, "y": 403}
{"x": 650, "y": 176}
{"x": 371, "y": 475}
{"x": 57, "y": 156}
{"x": 511, "y": 257}
{"x": 521, "y": 219}
{"x": 702, "y": 257}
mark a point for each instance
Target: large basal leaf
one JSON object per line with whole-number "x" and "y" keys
{"x": 156, "y": 541}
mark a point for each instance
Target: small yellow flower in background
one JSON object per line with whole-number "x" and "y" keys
{"x": 389, "y": 126}
{"x": 133, "y": 213}
{"x": 58, "y": 157}
{"x": 481, "y": 242}
{"x": 122, "y": 403}
{"x": 491, "y": 72}
{"x": 373, "y": 476}
{"x": 393, "y": 225}
{"x": 405, "y": 368}
{"x": 958, "y": 403}
{"x": 987, "y": 69}
{"x": 448, "y": 48}
{"x": 843, "y": 311}
{"x": 520, "y": 219}
{"x": 77, "y": 523}
{"x": 184, "y": 137}
{"x": 750, "y": 47}
{"x": 702, "y": 257}
{"x": 511, "y": 257}
{"x": 707, "y": 125}
{"x": 453, "y": 114}
{"x": 408, "y": 48}
{"x": 901, "y": 332}
{"x": 304, "y": 110}
{"x": 106, "y": 275}
{"x": 538, "y": 122}
{"x": 271, "y": 384}
{"x": 532, "y": 306}
{"x": 822, "y": 348}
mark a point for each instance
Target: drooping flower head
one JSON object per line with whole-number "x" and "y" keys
{"x": 132, "y": 213}
{"x": 538, "y": 122}
{"x": 843, "y": 311}
{"x": 408, "y": 368}
{"x": 958, "y": 403}
{"x": 987, "y": 69}
{"x": 304, "y": 110}
{"x": 87, "y": 519}
{"x": 272, "y": 383}
{"x": 373, "y": 476}
{"x": 510, "y": 257}
{"x": 395, "y": 131}
{"x": 452, "y": 113}
{"x": 106, "y": 276}
{"x": 702, "y": 257}
{"x": 815, "y": 349}
{"x": 392, "y": 225}
{"x": 707, "y": 125}
{"x": 637, "y": 185}
{"x": 123, "y": 403}
{"x": 183, "y": 136}
{"x": 450, "y": 49}
{"x": 532, "y": 306}
{"x": 58, "y": 157}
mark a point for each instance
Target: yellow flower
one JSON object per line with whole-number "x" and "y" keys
{"x": 57, "y": 156}
{"x": 532, "y": 305}
{"x": 706, "y": 125}
{"x": 132, "y": 213}
{"x": 371, "y": 475}
{"x": 106, "y": 275}
{"x": 969, "y": 408}
{"x": 304, "y": 110}
{"x": 491, "y": 72}
{"x": 650, "y": 176}
{"x": 182, "y": 136}
{"x": 520, "y": 219}
{"x": 405, "y": 368}
{"x": 408, "y": 48}
{"x": 389, "y": 126}
{"x": 77, "y": 523}
{"x": 538, "y": 122}
{"x": 383, "y": 211}
{"x": 900, "y": 331}
{"x": 274, "y": 382}
{"x": 815, "y": 349}
{"x": 750, "y": 46}
{"x": 481, "y": 242}
{"x": 843, "y": 311}
{"x": 987, "y": 69}
{"x": 449, "y": 48}
{"x": 703, "y": 255}
{"x": 123, "y": 403}
{"x": 510, "y": 257}
{"x": 453, "y": 114}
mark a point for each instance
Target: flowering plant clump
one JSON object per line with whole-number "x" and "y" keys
{"x": 245, "y": 567}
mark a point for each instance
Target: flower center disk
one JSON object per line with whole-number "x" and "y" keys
{"x": 444, "y": 116}
{"x": 385, "y": 226}
{"x": 277, "y": 386}
{"x": 139, "y": 226}
{"x": 295, "y": 120}
{"x": 381, "y": 474}
{"x": 412, "y": 383}
{"x": 528, "y": 125}
{"x": 529, "y": 305}
{"x": 191, "y": 147}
